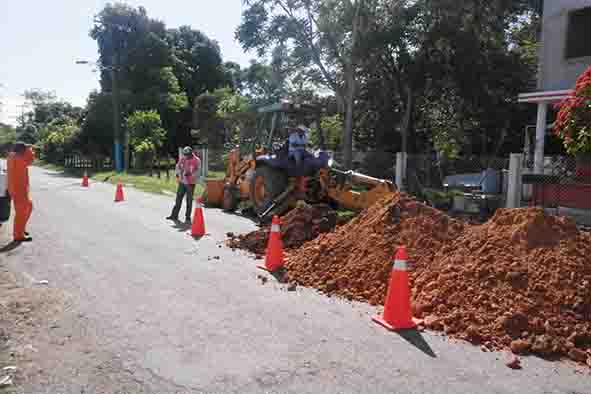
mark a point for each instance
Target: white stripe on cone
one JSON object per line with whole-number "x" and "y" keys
{"x": 400, "y": 265}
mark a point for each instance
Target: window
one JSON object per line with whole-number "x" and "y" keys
{"x": 578, "y": 33}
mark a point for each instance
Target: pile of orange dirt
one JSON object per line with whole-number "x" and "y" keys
{"x": 520, "y": 281}
{"x": 355, "y": 261}
{"x": 298, "y": 226}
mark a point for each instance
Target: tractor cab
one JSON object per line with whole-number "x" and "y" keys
{"x": 274, "y": 127}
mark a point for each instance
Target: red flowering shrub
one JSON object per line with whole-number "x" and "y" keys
{"x": 573, "y": 123}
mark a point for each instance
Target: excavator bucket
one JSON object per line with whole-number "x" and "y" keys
{"x": 214, "y": 192}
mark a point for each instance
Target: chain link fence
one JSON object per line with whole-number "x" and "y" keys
{"x": 564, "y": 188}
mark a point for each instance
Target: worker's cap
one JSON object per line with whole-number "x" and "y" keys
{"x": 187, "y": 150}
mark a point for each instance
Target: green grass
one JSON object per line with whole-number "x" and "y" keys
{"x": 141, "y": 180}
{"x": 216, "y": 175}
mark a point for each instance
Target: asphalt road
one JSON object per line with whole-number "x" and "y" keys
{"x": 155, "y": 311}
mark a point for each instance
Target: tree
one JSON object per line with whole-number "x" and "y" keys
{"x": 59, "y": 139}
{"x": 157, "y": 68}
{"x": 196, "y": 61}
{"x": 214, "y": 116}
{"x": 147, "y": 135}
{"x": 46, "y": 108}
{"x": 97, "y": 134}
{"x": 476, "y": 68}
{"x": 263, "y": 84}
{"x": 451, "y": 70}
{"x": 332, "y": 128}
{"x": 132, "y": 42}
{"x": 319, "y": 41}
{"x": 233, "y": 76}
{"x": 7, "y": 136}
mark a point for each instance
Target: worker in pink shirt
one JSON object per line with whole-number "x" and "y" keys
{"x": 187, "y": 173}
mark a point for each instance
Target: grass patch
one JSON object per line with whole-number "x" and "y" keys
{"x": 140, "y": 180}
{"x": 216, "y": 175}
{"x": 143, "y": 181}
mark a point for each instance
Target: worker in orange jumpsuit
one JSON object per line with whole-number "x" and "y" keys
{"x": 18, "y": 188}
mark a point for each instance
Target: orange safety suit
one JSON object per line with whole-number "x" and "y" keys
{"x": 18, "y": 188}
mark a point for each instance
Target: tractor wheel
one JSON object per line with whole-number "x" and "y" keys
{"x": 267, "y": 184}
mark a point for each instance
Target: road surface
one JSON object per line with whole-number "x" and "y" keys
{"x": 150, "y": 310}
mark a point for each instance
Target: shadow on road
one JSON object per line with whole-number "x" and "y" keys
{"x": 415, "y": 338}
{"x": 181, "y": 226}
{"x": 280, "y": 275}
{"x": 11, "y": 246}
{"x": 60, "y": 174}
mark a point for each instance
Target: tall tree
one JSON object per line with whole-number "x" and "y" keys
{"x": 196, "y": 61}
{"x": 138, "y": 48}
{"x": 319, "y": 40}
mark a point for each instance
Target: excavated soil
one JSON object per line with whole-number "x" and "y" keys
{"x": 520, "y": 281}
{"x": 355, "y": 261}
{"x": 298, "y": 226}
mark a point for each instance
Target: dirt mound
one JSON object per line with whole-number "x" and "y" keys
{"x": 520, "y": 281}
{"x": 355, "y": 261}
{"x": 298, "y": 226}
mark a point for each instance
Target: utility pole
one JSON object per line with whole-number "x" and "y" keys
{"x": 117, "y": 116}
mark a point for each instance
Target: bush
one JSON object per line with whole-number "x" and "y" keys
{"x": 147, "y": 135}
{"x": 58, "y": 140}
{"x": 573, "y": 123}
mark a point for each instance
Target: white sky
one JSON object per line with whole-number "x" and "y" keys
{"x": 42, "y": 39}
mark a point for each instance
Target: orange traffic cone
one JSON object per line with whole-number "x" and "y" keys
{"x": 119, "y": 193}
{"x": 85, "y": 180}
{"x": 274, "y": 257}
{"x": 397, "y": 311}
{"x": 198, "y": 226}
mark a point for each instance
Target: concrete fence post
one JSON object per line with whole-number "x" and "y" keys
{"x": 514, "y": 181}
{"x": 400, "y": 170}
{"x": 206, "y": 167}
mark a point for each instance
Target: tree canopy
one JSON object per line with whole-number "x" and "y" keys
{"x": 410, "y": 75}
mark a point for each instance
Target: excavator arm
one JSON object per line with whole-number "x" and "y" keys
{"x": 339, "y": 187}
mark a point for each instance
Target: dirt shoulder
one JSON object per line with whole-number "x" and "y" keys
{"x": 26, "y": 315}
{"x": 49, "y": 346}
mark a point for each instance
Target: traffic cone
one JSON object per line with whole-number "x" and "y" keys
{"x": 198, "y": 226}
{"x": 119, "y": 193}
{"x": 397, "y": 311}
{"x": 85, "y": 180}
{"x": 274, "y": 255}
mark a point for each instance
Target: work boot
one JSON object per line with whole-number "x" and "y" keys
{"x": 26, "y": 239}
{"x": 188, "y": 220}
{"x": 174, "y": 219}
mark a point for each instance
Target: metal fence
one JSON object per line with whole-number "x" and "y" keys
{"x": 564, "y": 188}
{"x": 81, "y": 162}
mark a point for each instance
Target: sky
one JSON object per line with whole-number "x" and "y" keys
{"x": 41, "y": 40}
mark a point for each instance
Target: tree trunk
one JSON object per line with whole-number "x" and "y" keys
{"x": 350, "y": 86}
{"x": 407, "y": 119}
{"x": 348, "y": 132}
{"x": 484, "y": 144}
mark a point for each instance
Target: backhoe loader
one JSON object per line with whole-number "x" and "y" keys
{"x": 260, "y": 172}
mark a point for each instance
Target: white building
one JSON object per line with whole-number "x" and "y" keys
{"x": 564, "y": 54}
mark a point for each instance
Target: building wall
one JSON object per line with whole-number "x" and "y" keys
{"x": 558, "y": 73}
